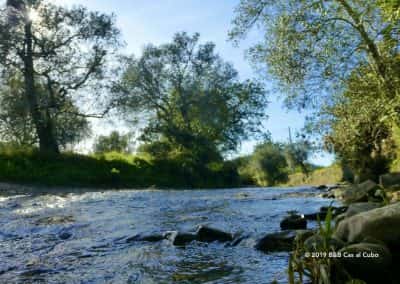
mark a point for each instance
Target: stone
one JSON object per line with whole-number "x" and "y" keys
{"x": 302, "y": 235}
{"x": 317, "y": 243}
{"x": 145, "y": 238}
{"x": 64, "y": 235}
{"x": 293, "y": 222}
{"x": 382, "y": 224}
{"x": 390, "y": 180}
{"x": 182, "y": 239}
{"x": 52, "y": 220}
{"x": 208, "y": 235}
{"x": 359, "y": 207}
{"x": 321, "y": 187}
{"x": 367, "y": 261}
{"x": 281, "y": 241}
{"x": 356, "y": 193}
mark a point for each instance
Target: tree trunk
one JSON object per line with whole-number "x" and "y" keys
{"x": 43, "y": 125}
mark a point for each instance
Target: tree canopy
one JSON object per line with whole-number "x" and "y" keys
{"x": 312, "y": 47}
{"x": 191, "y": 97}
{"x": 61, "y": 55}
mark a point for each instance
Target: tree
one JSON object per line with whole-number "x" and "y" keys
{"x": 312, "y": 47}
{"x": 296, "y": 154}
{"x": 61, "y": 50}
{"x": 16, "y": 125}
{"x": 114, "y": 142}
{"x": 193, "y": 100}
{"x": 268, "y": 165}
{"x": 359, "y": 126}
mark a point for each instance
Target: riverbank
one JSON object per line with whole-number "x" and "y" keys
{"x": 360, "y": 242}
{"x": 111, "y": 170}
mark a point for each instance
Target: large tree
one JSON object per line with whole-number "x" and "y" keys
{"x": 61, "y": 56}
{"x": 312, "y": 47}
{"x": 191, "y": 97}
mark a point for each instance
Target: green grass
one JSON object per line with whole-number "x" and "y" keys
{"x": 28, "y": 166}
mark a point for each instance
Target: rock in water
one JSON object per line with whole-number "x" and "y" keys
{"x": 293, "y": 222}
{"x": 382, "y": 224}
{"x": 368, "y": 262}
{"x": 207, "y": 234}
{"x": 181, "y": 239}
{"x": 281, "y": 241}
{"x": 145, "y": 238}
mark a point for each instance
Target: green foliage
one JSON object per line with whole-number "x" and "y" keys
{"x": 317, "y": 176}
{"x": 267, "y": 165}
{"x": 360, "y": 126}
{"x": 60, "y": 55}
{"x": 115, "y": 142}
{"x": 17, "y": 126}
{"x": 312, "y": 48}
{"x": 28, "y": 165}
{"x": 193, "y": 100}
{"x": 340, "y": 58}
{"x": 296, "y": 154}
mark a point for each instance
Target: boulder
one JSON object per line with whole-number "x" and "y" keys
{"x": 390, "y": 180}
{"x": 207, "y": 234}
{"x": 356, "y": 193}
{"x": 359, "y": 207}
{"x": 146, "y": 238}
{"x": 281, "y": 241}
{"x": 382, "y": 224}
{"x": 316, "y": 243}
{"x": 368, "y": 262}
{"x": 64, "y": 235}
{"x": 293, "y": 222}
{"x": 321, "y": 187}
{"x": 181, "y": 239}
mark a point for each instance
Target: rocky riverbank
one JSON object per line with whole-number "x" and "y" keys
{"x": 360, "y": 240}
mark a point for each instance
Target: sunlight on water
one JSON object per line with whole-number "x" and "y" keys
{"x": 81, "y": 237}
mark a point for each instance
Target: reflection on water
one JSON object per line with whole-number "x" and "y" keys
{"x": 81, "y": 238}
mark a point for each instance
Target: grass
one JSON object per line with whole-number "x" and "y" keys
{"x": 28, "y": 166}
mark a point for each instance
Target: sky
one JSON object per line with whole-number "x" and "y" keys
{"x": 156, "y": 21}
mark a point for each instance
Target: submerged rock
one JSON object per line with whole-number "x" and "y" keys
{"x": 293, "y": 222}
{"x": 145, "y": 238}
{"x": 52, "y": 220}
{"x": 321, "y": 187}
{"x": 280, "y": 241}
{"x": 64, "y": 235}
{"x": 180, "y": 239}
{"x": 368, "y": 262}
{"x": 207, "y": 234}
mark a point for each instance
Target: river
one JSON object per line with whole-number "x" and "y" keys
{"x": 81, "y": 237}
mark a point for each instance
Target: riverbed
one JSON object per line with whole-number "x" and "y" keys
{"x": 81, "y": 237}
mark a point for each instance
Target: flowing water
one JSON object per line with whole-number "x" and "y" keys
{"x": 81, "y": 237}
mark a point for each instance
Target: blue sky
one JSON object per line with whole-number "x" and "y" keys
{"x": 155, "y": 21}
